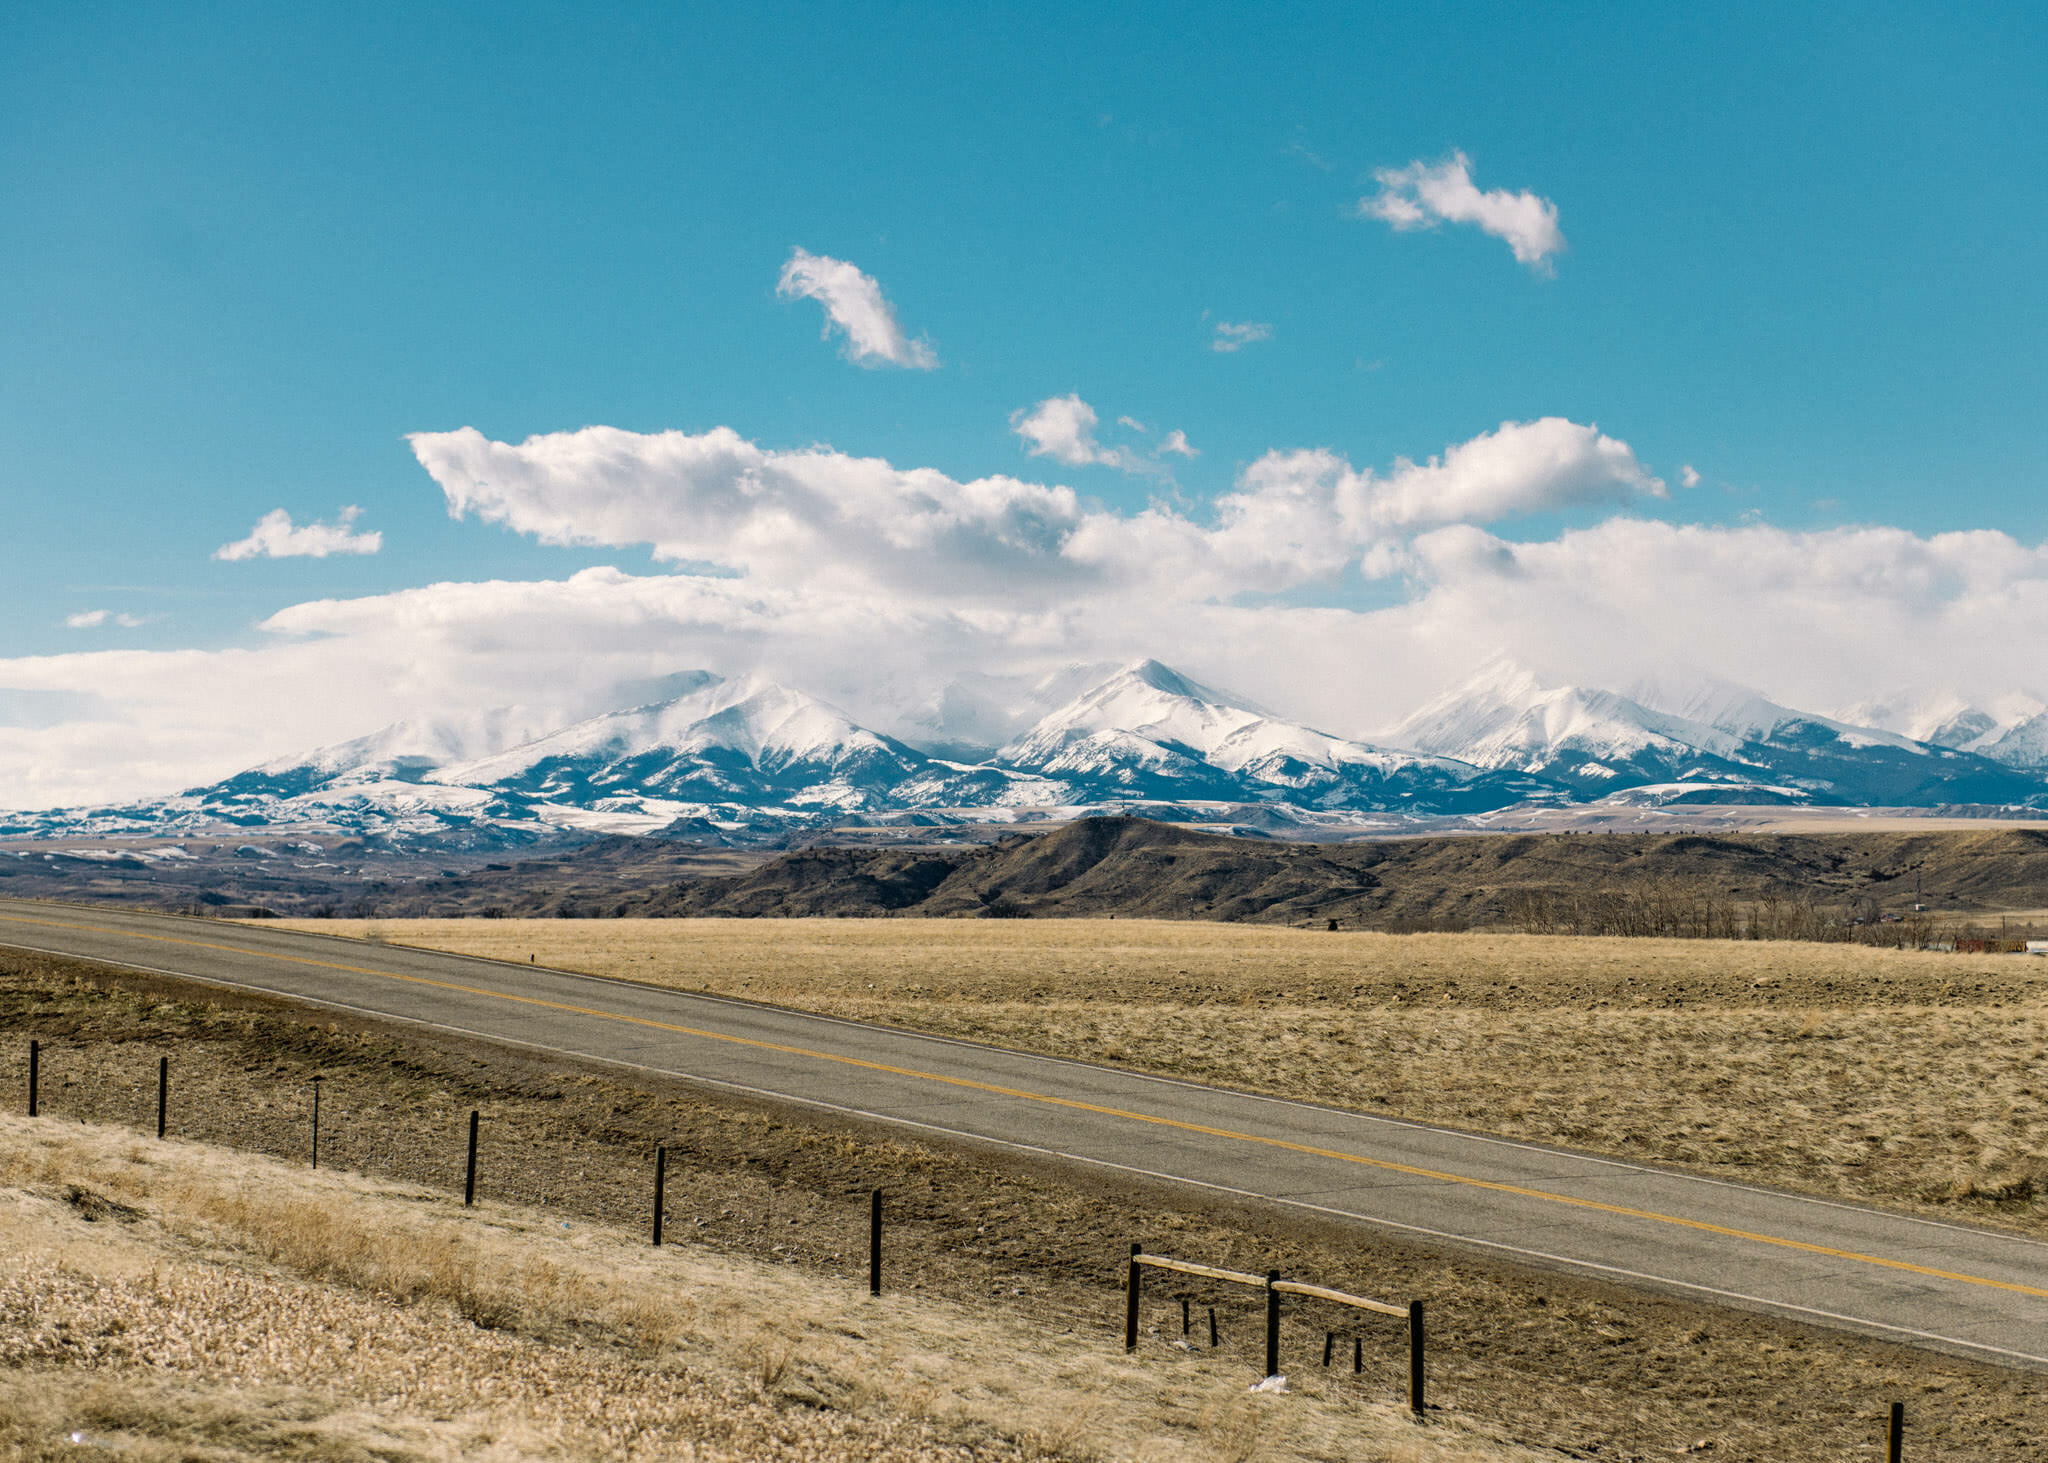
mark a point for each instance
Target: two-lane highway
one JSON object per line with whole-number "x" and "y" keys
{"x": 1948, "y": 1286}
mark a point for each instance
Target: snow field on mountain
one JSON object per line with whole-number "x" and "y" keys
{"x": 747, "y": 755}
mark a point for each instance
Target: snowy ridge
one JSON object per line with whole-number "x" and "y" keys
{"x": 1505, "y": 717}
{"x": 1150, "y": 729}
{"x": 749, "y": 758}
{"x": 1713, "y": 738}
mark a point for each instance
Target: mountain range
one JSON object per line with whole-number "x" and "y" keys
{"x": 749, "y": 760}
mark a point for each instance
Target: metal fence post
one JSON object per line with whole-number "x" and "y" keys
{"x": 1131, "y": 1284}
{"x": 1417, "y": 1403}
{"x": 660, "y": 1184}
{"x": 163, "y": 1092}
{"x": 1895, "y": 1435}
{"x": 316, "y": 1122}
{"x": 35, "y": 1066}
{"x": 1272, "y": 1325}
{"x": 875, "y": 1243}
{"x": 469, "y": 1177}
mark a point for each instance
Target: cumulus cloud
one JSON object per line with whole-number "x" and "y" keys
{"x": 1424, "y": 194}
{"x": 1518, "y": 469}
{"x": 1176, "y": 442}
{"x": 1235, "y": 337}
{"x": 1688, "y": 477}
{"x": 854, "y": 304}
{"x": 275, "y": 536}
{"x": 820, "y": 517}
{"x": 93, "y": 619}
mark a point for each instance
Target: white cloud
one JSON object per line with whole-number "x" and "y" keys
{"x": 853, "y": 302}
{"x": 1518, "y": 469}
{"x": 93, "y": 619}
{"x": 1060, "y": 427}
{"x": 1424, "y": 194}
{"x": 1063, "y": 428}
{"x": 1236, "y": 337}
{"x": 1688, "y": 477}
{"x": 825, "y": 520}
{"x": 276, "y": 537}
{"x": 1176, "y": 442}
{"x": 1132, "y": 422}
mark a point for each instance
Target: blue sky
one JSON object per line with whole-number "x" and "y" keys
{"x": 246, "y": 250}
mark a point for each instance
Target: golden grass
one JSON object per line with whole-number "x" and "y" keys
{"x": 176, "y": 1301}
{"x": 1906, "y": 1076}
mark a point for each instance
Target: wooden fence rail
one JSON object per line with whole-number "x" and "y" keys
{"x": 1275, "y": 1287}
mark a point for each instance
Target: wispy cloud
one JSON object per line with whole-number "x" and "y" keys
{"x": 1236, "y": 337}
{"x": 854, "y": 303}
{"x": 1688, "y": 476}
{"x": 93, "y": 619}
{"x": 1177, "y": 443}
{"x": 1424, "y": 194}
{"x": 1063, "y": 428}
{"x": 275, "y": 536}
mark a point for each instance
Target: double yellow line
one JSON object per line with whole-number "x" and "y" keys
{"x": 1050, "y": 1100}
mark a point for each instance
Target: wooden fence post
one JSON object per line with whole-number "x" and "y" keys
{"x": 1131, "y": 1284}
{"x": 469, "y": 1177}
{"x": 1895, "y": 1435}
{"x": 875, "y": 1243}
{"x": 1272, "y": 1325}
{"x": 35, "y": 1065}
{"x": 660, "y": 1184}
{"x": 1417, "y": 1403}
{"x": 163, "y": 1093}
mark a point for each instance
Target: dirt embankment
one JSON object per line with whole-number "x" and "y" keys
{"x": 1557, "y": 1362}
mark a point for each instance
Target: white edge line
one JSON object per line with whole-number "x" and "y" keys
{"x": 1565, "y": 1260}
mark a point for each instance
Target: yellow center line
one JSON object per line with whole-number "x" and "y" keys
{"x": 1411, "y": 1171}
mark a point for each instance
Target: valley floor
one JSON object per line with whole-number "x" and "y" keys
{"x": 182, "y": 1300}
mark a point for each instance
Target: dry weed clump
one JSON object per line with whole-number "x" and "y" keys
{"x": 181, "y": 1302}
{"x": 1905, "y": 1076}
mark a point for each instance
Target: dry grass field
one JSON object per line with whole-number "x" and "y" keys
{"x": 1025, "y": 1259}
{"x": 179, "y": 1301}
{"x": 1909, "y": 1077}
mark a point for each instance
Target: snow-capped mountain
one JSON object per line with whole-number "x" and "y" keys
{"x": 746, "y": 741}
{"x": 2012, "y": 728}
{"x": 1701, "y": 741}
{"x": 1148, "y": 731}
{"x": 1505, "y": 717}
{"x": 750, "y": 758}
{"x": 406, "y": 751}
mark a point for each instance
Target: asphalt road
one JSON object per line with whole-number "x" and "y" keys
{"x": 1946, "y": 1286}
